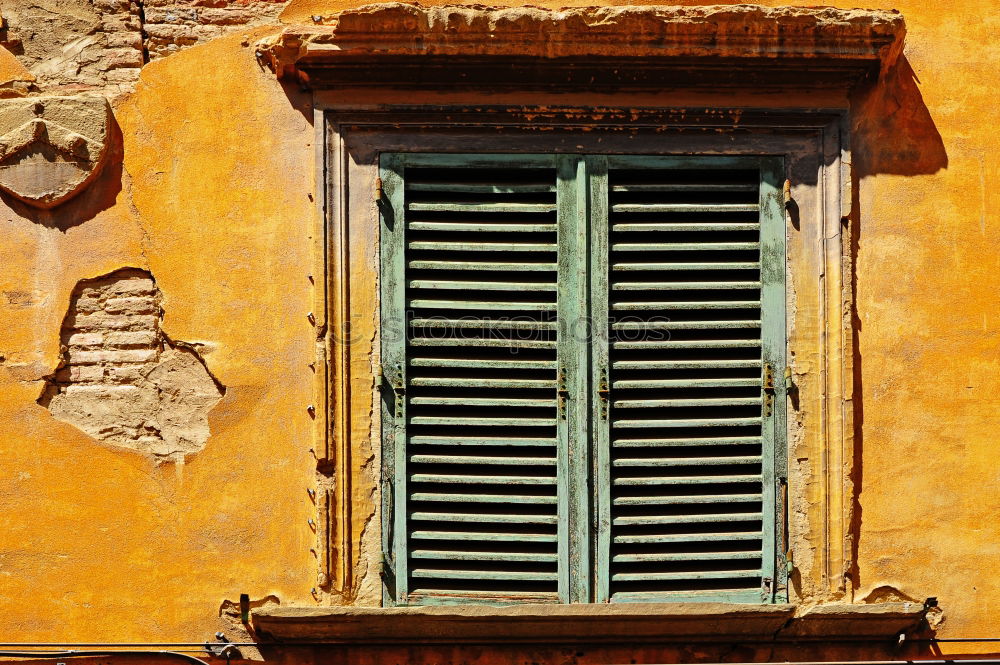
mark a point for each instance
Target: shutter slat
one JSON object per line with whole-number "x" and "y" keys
{"x": 479, "y": 441}
{"x": 684, "y": 364}
{"x": 685, "y": 246}
{"x": 715, "y": 265}
{"x": 686, "y": 325}
{"x": 686, "y": 500}
{"x": 484, "y": 342}
{"x": 684, "y": 556}
{"x": 689, "y": 304}
{"x": 483, "y": 266}
{"x": 696, "y": 187}
{"x": 482, "y": 401}
{"x": 483, "y": 575}
{"x": 720, "y": 575}
{"x": 480, "y": 324}
{"x": 678, "y": 227}
{"x": 686, "y": 519}
{"x": 686, "y": 383}
{"x": 741, "y": 536}
{"x": 693, "y": 441}
{"x": 482, "y": 479}
{"x": 431, "y": 246}
{"x": 684, "y": 207}
{"x": 482, "y": 498}
{"x": 475, "y": 207}
{"x": 421, "y": 534}
{"x": 485, "y": 382}
{"x": 689, "y": 344}
{"x": 491, "y": 518}
{"x": 481, "y": 364}
{"x": 445, "y": 555}
{"x": 646, "y": 462}
{"x": 687, "y": 480}
{"x": 482, "y": 422}
{"x": 676, "y": 403}
{"x": 456, "y": 227}
{"x": 684, "y": 286}
{"x": 482, "y": 286}
{"x": 479, "y": 459}
{"x": 485, "y": 305}
{"x": 688, "y": 422}
{"x": 478, "y": 188}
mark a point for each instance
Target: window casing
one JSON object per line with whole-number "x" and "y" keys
{"x": 552, "y": 326}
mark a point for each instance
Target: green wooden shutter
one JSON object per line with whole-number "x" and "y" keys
{"x": 574, "y": 357}
{"x": 480, "y": 396}
{"x": 686, "y": 429}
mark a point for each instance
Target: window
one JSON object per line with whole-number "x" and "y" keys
{"x": 582, "y": 375}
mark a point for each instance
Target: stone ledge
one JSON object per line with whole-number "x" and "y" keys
{"x": 752, "y": 35}
{"x": 638, "y": 622}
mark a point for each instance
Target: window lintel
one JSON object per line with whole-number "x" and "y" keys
{"x": 588, "y": 47}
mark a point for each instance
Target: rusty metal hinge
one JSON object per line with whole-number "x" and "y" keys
{"x": 768, "y": 382}
{"x": 562, "y": 393}
{"x": 378, "y": 190}
{"x": 604, "y": 393}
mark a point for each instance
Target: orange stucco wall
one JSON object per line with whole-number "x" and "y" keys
{"x": 216, "y": 197}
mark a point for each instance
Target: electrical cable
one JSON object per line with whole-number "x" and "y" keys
{"x": 191, "y": 660}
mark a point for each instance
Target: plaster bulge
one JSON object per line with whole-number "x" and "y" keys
{"x": 124, "y": 382}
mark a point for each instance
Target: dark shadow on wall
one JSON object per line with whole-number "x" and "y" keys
{"x": 96, "y": 197}
{"x": 892, "y": 132}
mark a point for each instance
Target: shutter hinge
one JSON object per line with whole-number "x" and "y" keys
{"x": 786, "y": 192}
{"x": 768, "y": 381}
{"x": 378, "y": 190}
{"x": 604, "y": 393}
{"x": 562, "y": 393}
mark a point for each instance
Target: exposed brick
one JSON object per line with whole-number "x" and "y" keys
{"x": 123, "y": 381}
{"x": 125, "y": 39}
{"x": 138, "y": 286}
{"x": 121, "y": 57}
{"x": 140, "y": 338}
{"x": 130, "y": 305}
{"x": 100, "y": 320}
{"x": 86, "y": 339}
{"x": 123, "y": 373}
{"x": 112, "y": 356}
{"x": 103, "y": 391}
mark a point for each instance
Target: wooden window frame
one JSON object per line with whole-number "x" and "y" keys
{"x": 816, "y": 144}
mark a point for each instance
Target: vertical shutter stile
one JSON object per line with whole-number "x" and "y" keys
{"x": 476, "y": 496}
{"x": 574, "y": 359}
{"x": 691, "y": 450}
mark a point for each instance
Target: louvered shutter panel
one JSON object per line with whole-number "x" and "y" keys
{"x": 686, "y": 449}
{"x": 474, "y": 410}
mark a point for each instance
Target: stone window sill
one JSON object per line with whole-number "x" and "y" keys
{"x": 640, "y": 622}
